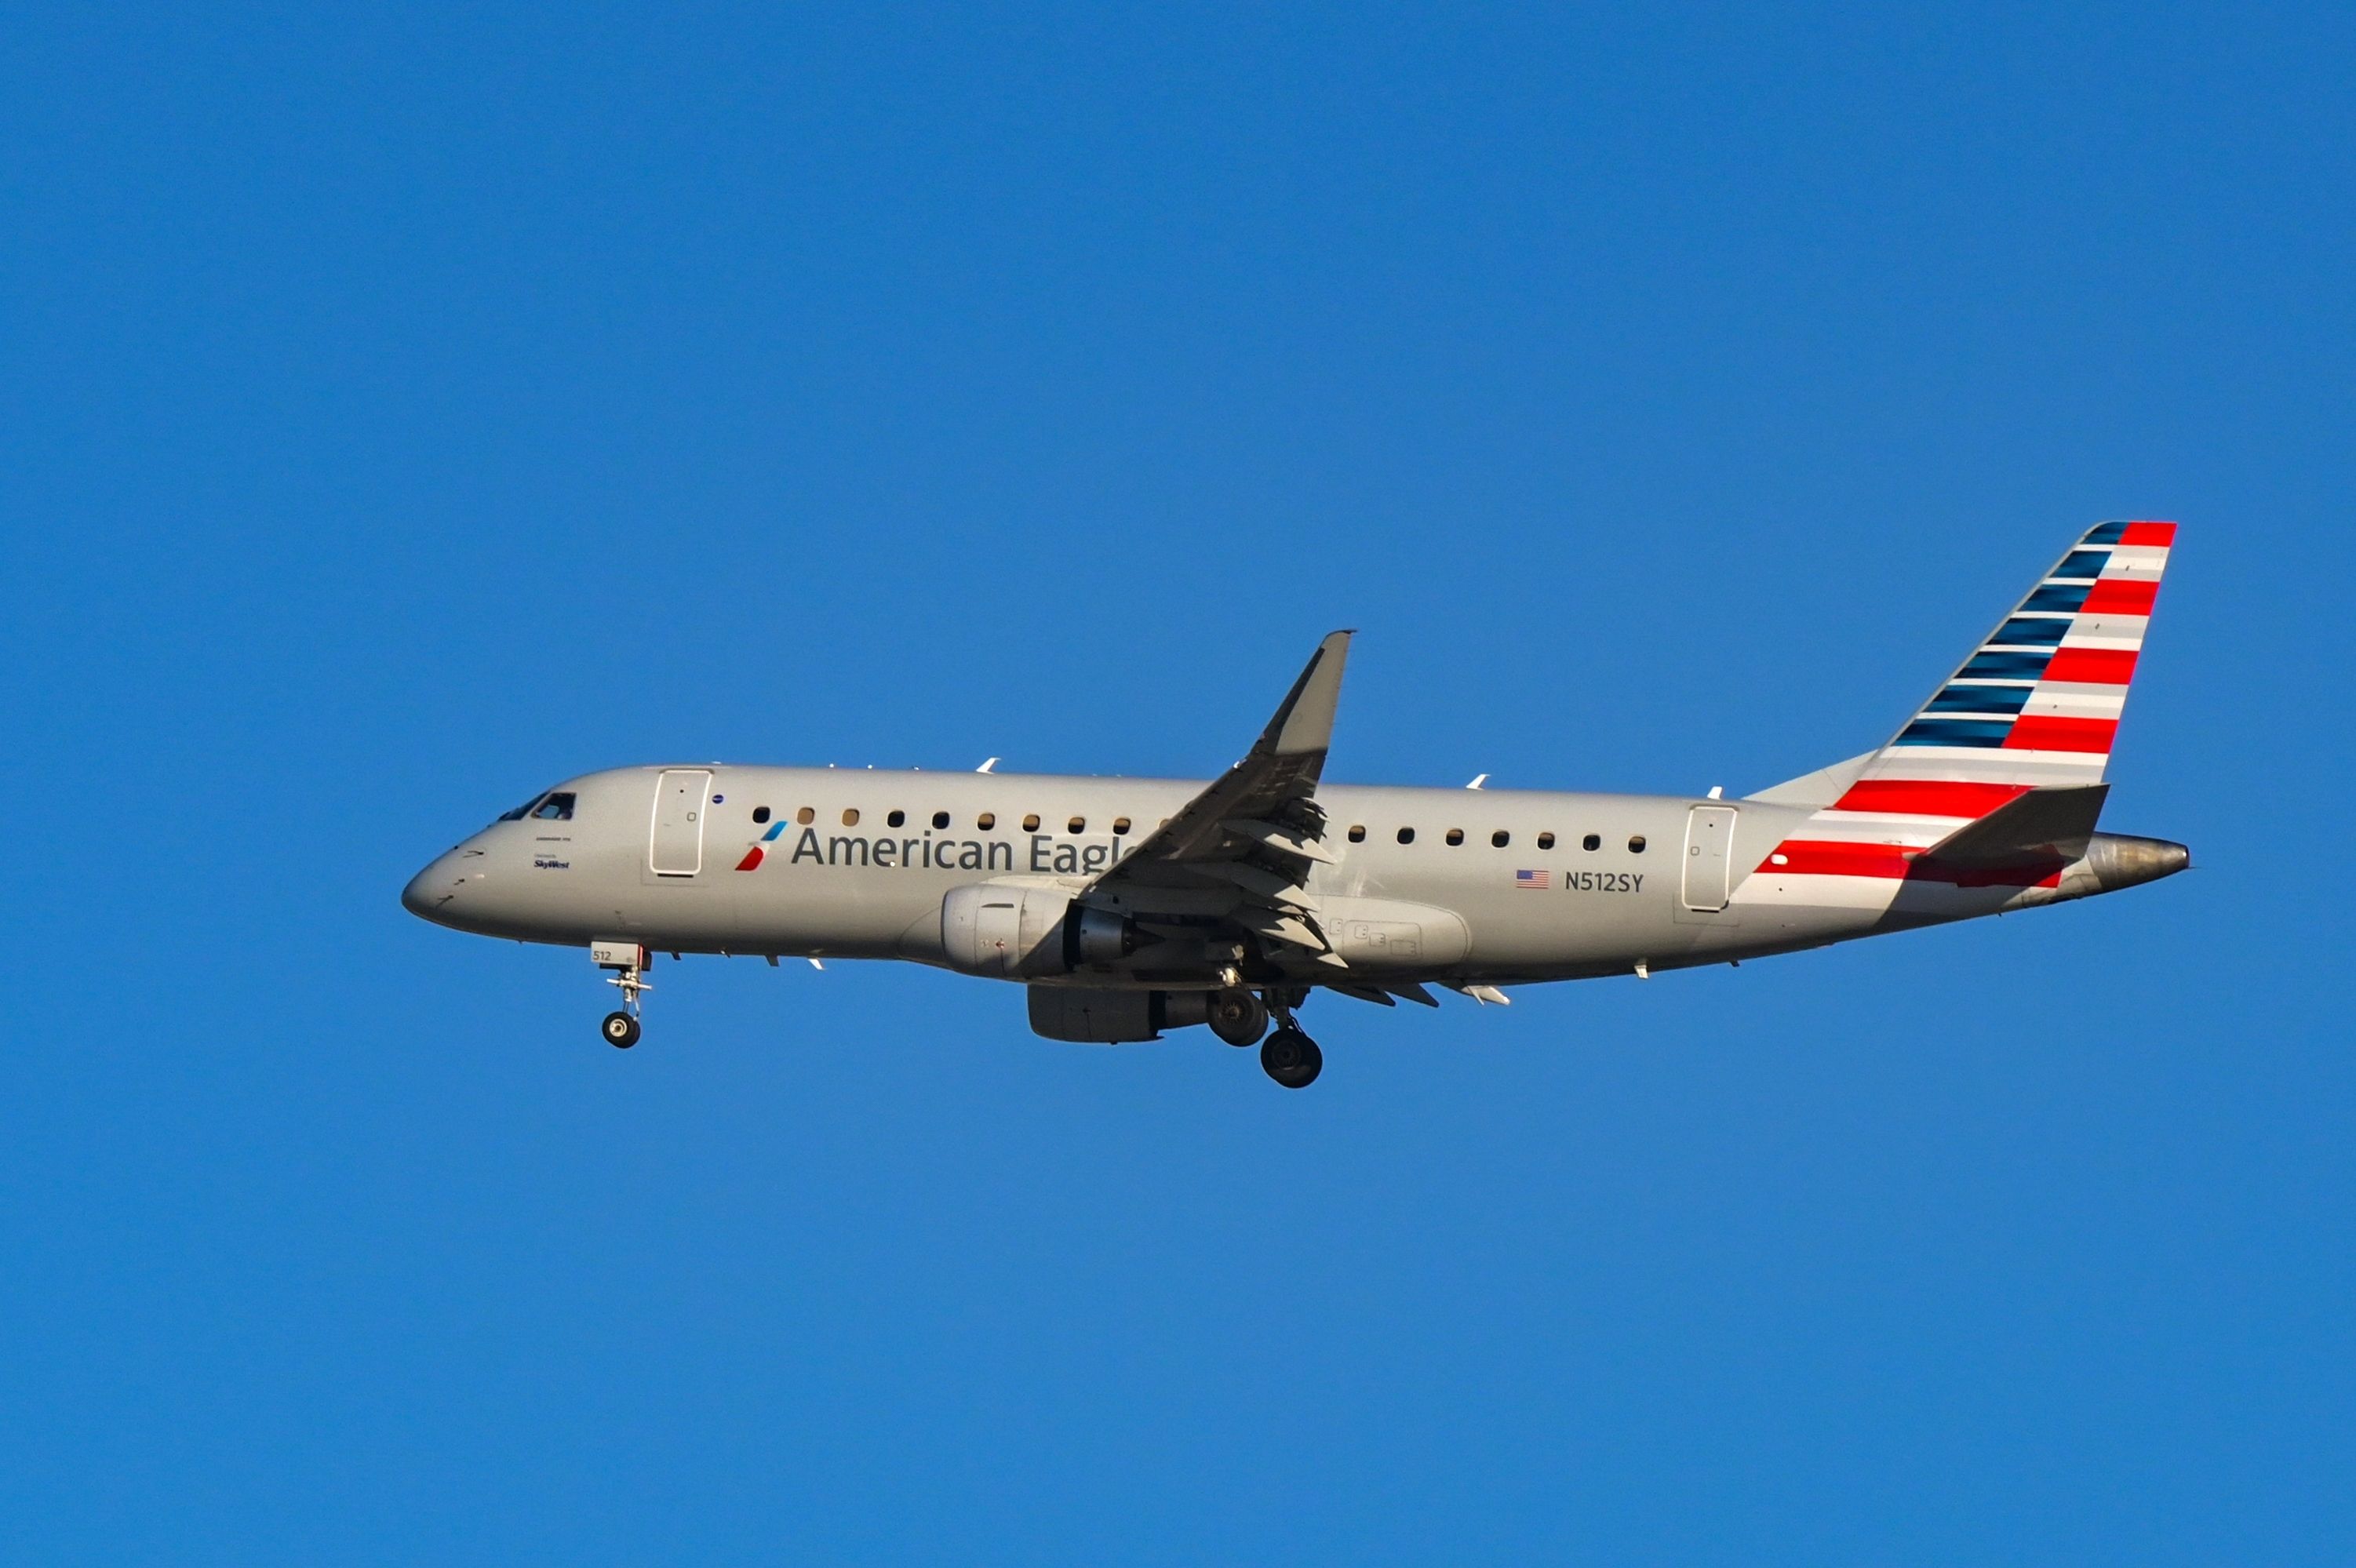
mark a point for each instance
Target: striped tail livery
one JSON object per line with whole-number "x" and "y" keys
{"x": 1999, "y": 779}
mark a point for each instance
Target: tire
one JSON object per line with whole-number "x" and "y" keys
{"x": 1237, "y": 1016}
{"x": 621, "y": 1031}
{"x": 1291, "y": 1058}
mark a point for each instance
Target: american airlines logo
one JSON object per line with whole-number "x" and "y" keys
{"x": 1044, "y": 852}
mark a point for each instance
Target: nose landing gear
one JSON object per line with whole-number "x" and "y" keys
{"x": 629, "y": 960}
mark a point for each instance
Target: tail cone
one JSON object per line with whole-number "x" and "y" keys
{"x": 2117, "y": 861}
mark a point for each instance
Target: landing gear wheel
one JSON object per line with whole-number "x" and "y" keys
{"x": 621, "y": 1031}
{"x": 1291, "y": 1058}
{"x": 1237, "y": 1016}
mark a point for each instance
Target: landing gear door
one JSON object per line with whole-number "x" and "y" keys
{"x": 675, "y": 843}
{"x": 1709, "y": 842}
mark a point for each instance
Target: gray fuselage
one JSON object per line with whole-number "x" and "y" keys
{"x": 1452, "y": 885}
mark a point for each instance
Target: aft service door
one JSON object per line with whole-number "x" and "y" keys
{"x": 675, "y": 848}
{"x": 1710, "y": 834}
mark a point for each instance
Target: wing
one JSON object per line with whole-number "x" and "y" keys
{"x": 1240, "y": 852}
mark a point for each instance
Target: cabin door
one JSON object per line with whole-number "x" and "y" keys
{"x": 1709, "y": 840}
{"x": 675, "y": 846}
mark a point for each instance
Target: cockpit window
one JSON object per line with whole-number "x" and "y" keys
{"x": 557, "y": 807}
{"x": 520, "y": 811}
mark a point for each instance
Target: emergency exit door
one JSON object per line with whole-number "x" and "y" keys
{"x": 675, "y": 848}
{"x": 1709, "y": 842}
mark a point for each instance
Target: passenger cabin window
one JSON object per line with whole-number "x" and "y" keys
{"x": 760, "y": 814}
{"x": 1078, "y": 824}
{"x": 1546, "y": 840}
{"x": 1456, "y": 836}
{"x": 895, "y": 819}
{"x": 806, "y": 817}
{"x": 940, "y": 819}
{"x": 1357, "y": 833}
{"x": 1636, "y": 844}
{"x": 851, "y": 816}
{"x": 1592, "y": 841}
{"x": 1407, "y": 835}
{"x": 1500, "y": 838}
{"x": 1031, "y": 822}
{"x": 557, "y": 807}
{"x": 1121, "y": 824}
{"x": 986, "y": 821}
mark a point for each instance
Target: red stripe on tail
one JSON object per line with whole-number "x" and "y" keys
{"x": 1824, "y": 858}
{"x": 2150, "y": 533}
{"x": 2093, "y": 667}
{"x": 2034, "y": 733}
{"x": 2120, "y": 597}
{"x": 1928, "y": 797}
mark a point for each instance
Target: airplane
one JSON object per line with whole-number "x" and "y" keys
{"x": 1130, "y": 906}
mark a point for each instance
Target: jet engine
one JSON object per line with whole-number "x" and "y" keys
{"x": 1105, "y": 1017}
{"x": 1011, "y": 932}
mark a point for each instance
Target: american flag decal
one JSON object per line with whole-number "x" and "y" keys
{"x": 1534, "y": 880}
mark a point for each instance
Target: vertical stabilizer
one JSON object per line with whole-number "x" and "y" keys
{"x": 2039, "y": 701}
{"x": 2036, "y": 706}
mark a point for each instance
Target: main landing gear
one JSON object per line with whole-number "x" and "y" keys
{"x": 1291, "y": 1058}
{"x": 628, "y": 961}
{"x": 1237, "y": 1016}
{"x": 1288, "y": 1055}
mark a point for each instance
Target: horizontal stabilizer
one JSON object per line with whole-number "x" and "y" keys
{"x": 2044, "y": 827}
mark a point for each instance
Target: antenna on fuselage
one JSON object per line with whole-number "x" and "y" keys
{"x": 987, "y": 766}
{"x": 1478, "y": 779}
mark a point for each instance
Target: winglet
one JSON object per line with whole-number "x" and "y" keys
{"x": 1304, "y": 723}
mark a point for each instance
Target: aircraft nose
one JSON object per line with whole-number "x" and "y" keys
{"x": 414, "y": 897}
{"x": 429, "y": 893}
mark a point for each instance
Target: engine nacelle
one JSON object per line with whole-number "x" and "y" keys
{"x": 1094, "y": 1017}
{"x": 1008, "y": 931}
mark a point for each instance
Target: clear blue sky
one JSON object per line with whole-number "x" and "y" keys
{"x": 402, "y": 412}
